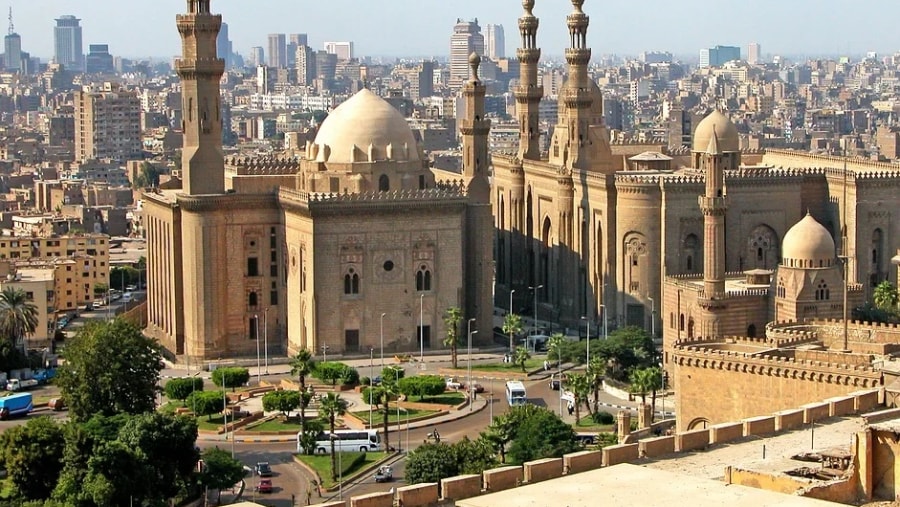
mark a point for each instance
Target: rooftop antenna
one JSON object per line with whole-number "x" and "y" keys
{"x": 12, "y": 28}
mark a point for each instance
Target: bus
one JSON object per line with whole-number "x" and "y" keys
{"x": 344, "y": 441}
{"x": 515, "y": 393}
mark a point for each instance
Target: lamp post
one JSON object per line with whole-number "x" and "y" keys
{"x": 258, "y": 369}
{"x": 193, "y": 400}
{"x": 587, "y": 360}
{"x": 225, "y": 416}
{"x": 652, "y": 317}
{"x": 422, "y": 329}
{"x": 469, "y": 363}
{"x": 535, "y": 289}
{"x": 324, "y": 350}
{"x": 603, "y": 309}
{"x": 382, "y": 340}
{"x": 511, "y": 311}
{"x": 371, "y": 376}
{"x": 266, "y": 338}
{"x": 559, "y": 376}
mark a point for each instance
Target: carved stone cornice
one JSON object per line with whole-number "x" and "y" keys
{"x": 219, "y": 202}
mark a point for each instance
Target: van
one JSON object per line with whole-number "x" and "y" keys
{"x": 127, "y": 297}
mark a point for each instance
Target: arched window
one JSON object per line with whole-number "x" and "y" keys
{"x": 681, "y": 322}
{"x": 423, "y": 279}
{"x": 751, "y": 331}
{"x": 781, "y": 291}
{"x": 351, "y": 282}
{"x": 252, "y": 299}
{"x": 822, "y": 292}
{"x": 384, "y": 183}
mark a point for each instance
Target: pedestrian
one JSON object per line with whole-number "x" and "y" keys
{"x": 570, "y": 407}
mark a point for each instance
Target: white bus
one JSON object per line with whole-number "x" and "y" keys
{"x": 345, "y": 441}
{"x": 515, "y": 393}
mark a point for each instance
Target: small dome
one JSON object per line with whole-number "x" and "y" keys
{"x": 808, "y": 245}
{"x": 362, "y": 125}
{"x": 726, "y": 133}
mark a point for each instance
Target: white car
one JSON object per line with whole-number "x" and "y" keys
{"x": 452, "y": 383}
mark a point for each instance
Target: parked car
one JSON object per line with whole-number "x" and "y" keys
{"x": 264, "y": 486}
{"x": 453, "y": 383}
{"x": 263, "y": 469}
{"x": 384, "y": 474}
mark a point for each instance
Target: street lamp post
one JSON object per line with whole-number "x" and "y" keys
{"x": 422, "y": 329}
{"x": 225, "y": 416}
{"x": 587, "y": 360}
{"x": 603, "y": 309}
{"x": 535, "y": 289}
{"x": 469, "y": 364}
{"x": 559, "y": 376}
{"x": 258, "y": 369}
{"x": 511, "y": 312}
{"x": 266, "y": 338}
{"x": 371, "y": 377}
{"x": 324, "y": 351}
{"x": 382, "y": 340}
{"x": 652, "y": 317}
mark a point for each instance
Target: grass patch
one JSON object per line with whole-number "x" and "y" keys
{"x": 378, "y": 417}
{"x": 449, "y": 398}
{"x": 586, "y": 424}
{"x": 531, "y": 364}
{"x": 322, "y": 464}
{"x": 277, "y": 424}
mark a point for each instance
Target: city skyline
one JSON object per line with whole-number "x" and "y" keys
{"x": 615, "y": 28}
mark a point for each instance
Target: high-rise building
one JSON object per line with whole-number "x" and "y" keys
{"x": 305, "y": 65}
{"x": 223, "y": 46}
{"x": 300, "y": 39}
{"x": 98, "y": 60}
{"x": 277, "y": 51}
{"x": 466, "y": 39}
{"x": 494, "y": 42}
{"x": 655, "y": 57}
{"x": 326, "y": 65}
{"x": 753, "y": 53}
{"x": 67, "y": 43}
{"x": 12, "y": 57}
{"x": 717, "y": 56}
{"x": 107, "y": 123}
{"x": 257, "y": 56}
{"x": 343, "y": 50}
{"x": 423, "y": 85}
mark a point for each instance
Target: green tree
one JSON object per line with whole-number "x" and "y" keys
{"x": 430, "y": 462}
{"x": 392, "y": 374}
{"x": 18, "y": 316}
{"x": 512, "y": 325}
{"x": 330, "y": 371}
{"x": 123, "y": 276}
{"x": 595, "y": 372}
{"x": 381, "y": 397}
{"x": 473, "y": 456}
{"x": 230, "y": 377}
{"x": 95, "y": 381}
{"x": 302, "y": 366}
{"x": 644, "y": 381}
{"x": 555, "y": 346}
{"x": 331, "y": 407}
{"x": 625, "y": 349}
{"x": 309, "y": 435}
{"x": 580, "y": 387}
{"x": 116, "y": 475}
{"x": 422, "y": 386}
{"x": 100, "y": 289}
{"x": 206, "y": 403}
{"x": 180, "y": 388}
{"x": 521, "y": 357}
{"x": 539, "y": 433}
{"x": 281, "y": 401}
{"x": 32, "y": 455}
{"x": 220, "y": 471}
{"x": 452, "y": 318}
{"x": 148, "y": 176}
{"x": 885, "y": 296}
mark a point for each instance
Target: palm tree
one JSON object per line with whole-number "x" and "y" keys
{"x": 381, "y": 397}
{"x": 512, "y": 325}
{"x": 499, "y": 433}
{"x": 580, "y": 386}
{"x": 18, "y": 316}
{"x": 885, "y": 296}
{"x": 302, "y": 365}
{"x": 646, "y": 380}
{"x": 595, "y": 371}
{"x": 452, "y": 318}
{"x": 555, "y": 343}
{"x": 331, "y": 407}
{"x": 521, "y": 357}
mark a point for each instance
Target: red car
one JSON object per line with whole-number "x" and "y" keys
{"x": 264, "y": 486}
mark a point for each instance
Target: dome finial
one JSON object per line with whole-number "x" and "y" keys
{"x": 577, "y": 4}
{"x": 529, "y": 7}
{"x": 474, "y": 63}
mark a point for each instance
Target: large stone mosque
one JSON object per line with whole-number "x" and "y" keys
{"x": 357, "y": 242}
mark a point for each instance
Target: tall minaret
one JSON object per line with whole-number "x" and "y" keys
{"x": 529, "y": 92}
{"x": 577, "y": 92}
{"x": 479, "y": 218}
{"x": 712, "y": 205}
{"x": 200, "y": 70}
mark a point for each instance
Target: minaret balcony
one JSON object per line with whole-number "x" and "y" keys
{"x": 528, "y": 55}
{"x": 200, "y": 67}
{"x": 529, "y": 93}
{"x": 712, "y": 203}
{"x": 578, "y": 56}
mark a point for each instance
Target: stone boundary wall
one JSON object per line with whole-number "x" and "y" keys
{"x": 507, "y": 477}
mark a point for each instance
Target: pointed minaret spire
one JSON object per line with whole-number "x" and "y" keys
{"x": 528, "y": 93}
{"x": 713, "y": 148}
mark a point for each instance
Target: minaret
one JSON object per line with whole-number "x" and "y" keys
{"x": 529, "y": 92}
{"x": 577, "y": 92}
{"x": 712, "y": 205}
{"x": 479, "y": 219}
{"x": 200, "y": 70}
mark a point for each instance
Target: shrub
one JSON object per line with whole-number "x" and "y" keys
{"x": 603, "y": 417}
{"x": 231, "y": 377}
{"x": 331, "y": 372}
{"x": 365, "y": 381}
{"x": 181, "y": 388}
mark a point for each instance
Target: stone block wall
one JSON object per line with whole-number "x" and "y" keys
{"x": 841, "y": 405}
{"x": 622, "y": 453}
{"x": 582, "y": 461}
{"x": 788, "y": 420}
{"x": 418, "y": 494}
{"x": 542, "y": 470}
{"x": 725, "y": 432}
{"x": 385, "y": 499}
{"x": 759, "y": 425}
{"x": 865, "y": 400}
{"x": 461, "y": 487}
{"x": 691, "y": 440}
{"x": 502, "y": 478}
{"x": 813, "y": 412}
{"x": 659, "y": 446}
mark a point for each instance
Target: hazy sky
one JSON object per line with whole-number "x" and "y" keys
{"x": 422, "y": 27}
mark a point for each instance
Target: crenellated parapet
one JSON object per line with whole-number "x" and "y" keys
{"x": 262, "y": 166}
{"x": 789, "y": 333}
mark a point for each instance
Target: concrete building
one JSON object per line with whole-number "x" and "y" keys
{"x": 305, "y": 65}
{"x": 466, "y": 39}
{"x": 754, "y": 53}
{"x": 343, "y": 50}
{"x": 12, "y": 55}
{"x": 494, "y": 42}
{"x": 67, "y": 43}
{"x": 257, "y": 56}
{"x": 717, "y": 56}
{"x": 98, "y": 60}
{"x": 38, "y": 286}
{"x": 107, "y": 123}
{"x": 277, "y": 51}
{"x": 322, "y": 252}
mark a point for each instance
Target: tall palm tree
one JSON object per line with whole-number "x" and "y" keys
{"x": 18, "y": 317}
{"x": 646, "y": 380}
{"x": 331, "y": 407}
{"x": 381, "y": 397}
{"x": 595, "y": 371}
{"x": 521, "y": 357}
{"x": 580, "y": 386}
{"x": 452, "y": 318}
{"x": 555, "y": 343}
{"x": 302, "y": 365}
{"x": 512, "y": 325}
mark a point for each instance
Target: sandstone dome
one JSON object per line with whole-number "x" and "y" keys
{"x": 365, "y": 128}
{"x": 726, "y": 133}
{"x": 808, "y": 245}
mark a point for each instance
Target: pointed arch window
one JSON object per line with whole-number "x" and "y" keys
{"x": 822, "y": 292}
{"x": 351, "y": 282}
{"x": 423, "y": 279}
